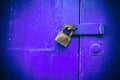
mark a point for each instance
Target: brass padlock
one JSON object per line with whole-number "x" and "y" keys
{"x": 63, "y": 38}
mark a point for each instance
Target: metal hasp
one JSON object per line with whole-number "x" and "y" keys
{"x": 89, "y": 29}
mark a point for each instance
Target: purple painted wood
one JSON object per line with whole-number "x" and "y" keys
{"x": 91, "y": 61}
{"x": 34, "y": 26}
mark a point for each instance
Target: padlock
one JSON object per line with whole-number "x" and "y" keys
{"x": 63, "y": 38}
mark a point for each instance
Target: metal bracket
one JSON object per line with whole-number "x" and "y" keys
{"x": 89, "y": 29}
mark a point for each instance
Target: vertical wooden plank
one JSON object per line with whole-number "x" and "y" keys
{"x": 93, "y": 11}
{"x": 65, "y": 60}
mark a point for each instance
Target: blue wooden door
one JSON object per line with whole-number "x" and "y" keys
{"x": 31, "y": 52}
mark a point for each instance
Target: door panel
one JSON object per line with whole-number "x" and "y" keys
{"x": 95, "y": 53}
{"x": 34, "y": 26}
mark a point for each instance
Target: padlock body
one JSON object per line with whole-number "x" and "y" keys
{"x": 62, "y": 39}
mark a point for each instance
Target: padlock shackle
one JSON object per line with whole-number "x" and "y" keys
{"x": 71, "y": 32}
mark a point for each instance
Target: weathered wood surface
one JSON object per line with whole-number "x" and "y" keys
{"x": 34, "y": 26}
